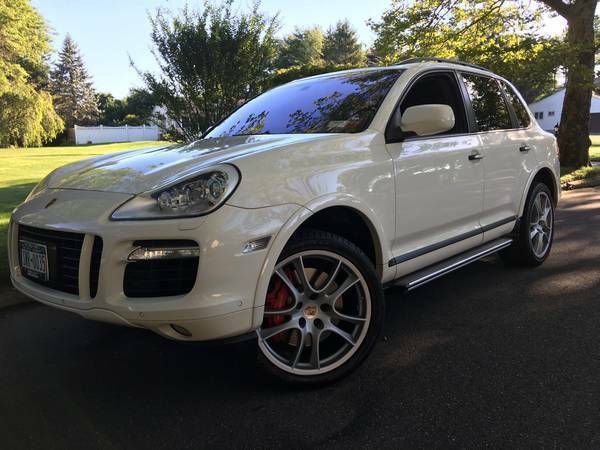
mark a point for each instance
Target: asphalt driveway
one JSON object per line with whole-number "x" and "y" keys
{"x": 486, "y": 357}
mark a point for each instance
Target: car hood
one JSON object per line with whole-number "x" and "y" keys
{"x": 146, "y": 169}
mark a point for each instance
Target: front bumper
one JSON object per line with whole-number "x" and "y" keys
{"x": 222, "y": 302}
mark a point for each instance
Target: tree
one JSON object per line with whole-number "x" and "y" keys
{"x": 302, "y": 47}
{"x": 112, "y": 110}
{"x": 210, "y": 62}
{"x": 74, "y": 97}
{"x": 506, "y": 31}
{"x": 27, "y": 116}
{"x": 574, "y": 130}
{"x": 135, "y": 109}
{"x": 341, "y": 45}
{"x": 502, "y": 36}
{"x": 282, "y": 76}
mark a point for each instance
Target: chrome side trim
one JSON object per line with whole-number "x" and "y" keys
{"x": 426, "y": 275}
{"x": 431, "y": 248}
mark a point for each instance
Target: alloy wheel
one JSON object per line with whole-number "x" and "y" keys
{"x": 541, "y": 223}
{"x": 317, "y": 313}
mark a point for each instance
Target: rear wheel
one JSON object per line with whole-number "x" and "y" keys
{"x": 323, "y": 312}
{"x": 535, "y": 232}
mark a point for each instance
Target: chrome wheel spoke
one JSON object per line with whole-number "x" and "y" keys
{"x": 330, "y": 279}
{"x": 538, "y": 206}
{"x": 283, "y": 277}
{"x": 533, "y": 233}
{"x": 539, "y": 243}
{"x": 341, "y": 289}
{"x": 301, "y": 273}
{"x": 315, "y": 358}
{"x": 280, "y": 312}
{"x": 299, "y": 349}
{"x": 335, "y": 314}
{"x": 266, "y": 333}
{"x": 546, "y": 213}
{"x": 341, "y": 333}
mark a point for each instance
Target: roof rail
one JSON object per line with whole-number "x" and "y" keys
{"x": 442, "y": 60}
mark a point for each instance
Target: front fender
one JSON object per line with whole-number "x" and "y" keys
{"x": 296, "y": 221}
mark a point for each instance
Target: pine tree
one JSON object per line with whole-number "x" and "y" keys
{"x": 303, "y": 46}
{"x": 341, "y": 45}
{"x": 74, "y": 97}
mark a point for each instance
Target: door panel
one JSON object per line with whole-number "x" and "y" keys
{"x": 439, "y": 191}
{"x": 502, "y": 160}
{"x": 503, "y": 163}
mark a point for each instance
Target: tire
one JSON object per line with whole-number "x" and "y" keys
{"x": 339, "y": 302}
{"x": 533, "y": 235}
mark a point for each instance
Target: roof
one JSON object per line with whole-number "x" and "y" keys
{"x": 407, "y": 64}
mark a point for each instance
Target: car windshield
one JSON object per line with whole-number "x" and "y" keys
{"x": 335, "y": 103}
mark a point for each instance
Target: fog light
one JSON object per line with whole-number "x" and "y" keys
{"x": 181, "y": 330}
{"x": 145, "y": 254}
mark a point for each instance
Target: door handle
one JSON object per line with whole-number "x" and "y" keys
{"x": 475, "y": 156}
{"x": 524, "y": 148}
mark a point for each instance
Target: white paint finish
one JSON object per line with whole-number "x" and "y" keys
{"x": 428, "y": 120}
{"x": 411, "y": 195}
{"x": 554, "y": 103}
{"x": 504, "y": 166}
{"x": 102, "y": 134}
{"x": 439, "y": 192}
{"x": 146, "y": 169}
{"x": 220, "y": 235}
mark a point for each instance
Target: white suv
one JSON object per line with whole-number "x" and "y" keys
{"x": 286, "y": 221}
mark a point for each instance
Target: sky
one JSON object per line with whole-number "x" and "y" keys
{"x": 109, "y": 32}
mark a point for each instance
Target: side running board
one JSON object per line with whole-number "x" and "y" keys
{"x": 419, "y": 278}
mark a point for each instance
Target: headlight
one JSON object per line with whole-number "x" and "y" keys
{"x": 195, "y": 196}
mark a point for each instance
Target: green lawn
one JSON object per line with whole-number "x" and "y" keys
{"x": 567, "y": 174}
{"x": 21, "y": 169}
{"x": 595, "y": 148}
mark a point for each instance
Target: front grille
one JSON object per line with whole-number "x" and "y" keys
{"x": 64, "y": 251}
{"x": 160, "y": 277}
{"x": 95, "y": 266}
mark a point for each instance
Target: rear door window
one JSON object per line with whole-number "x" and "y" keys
{"x": 523, "y": 119}
{"x": 489, "y": 107}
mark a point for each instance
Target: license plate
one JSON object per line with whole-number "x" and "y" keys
{"x": 34, "y": 259}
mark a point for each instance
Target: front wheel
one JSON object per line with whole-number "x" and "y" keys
{"x": 323, "y": 312}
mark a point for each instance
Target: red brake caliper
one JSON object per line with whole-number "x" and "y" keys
{"x": 277, "y": 298}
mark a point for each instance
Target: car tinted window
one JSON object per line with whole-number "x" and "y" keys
{"x": 438, "y": 88}
{"x": 491, "y": 112}
{"x": 337, "y": 103}
{"x": 523, "y": 118}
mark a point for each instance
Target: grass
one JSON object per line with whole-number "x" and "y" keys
{"x": 21, "y": 169}
{"x": 595, "y": 148}
{"x": 568, "y": 174}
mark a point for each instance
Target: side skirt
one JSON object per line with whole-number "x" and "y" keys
{"x": 423, "y": 276}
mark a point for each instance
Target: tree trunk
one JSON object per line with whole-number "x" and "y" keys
{"x": 574, "y": 133}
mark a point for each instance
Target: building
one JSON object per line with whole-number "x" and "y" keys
{"x": 547, "y": 111}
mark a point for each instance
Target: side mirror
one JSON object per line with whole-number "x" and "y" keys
{"x": 427, "y": 120}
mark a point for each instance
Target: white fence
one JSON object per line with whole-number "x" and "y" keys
{"x": 102, "y": 134}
